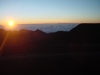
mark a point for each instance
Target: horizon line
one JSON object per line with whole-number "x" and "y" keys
{"x": 57, "y": 23}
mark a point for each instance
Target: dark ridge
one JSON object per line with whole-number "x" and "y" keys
{"x": 87, "y": 32}
{"x": 83, "y": 38}
{"x": 87, "y": 28}
{"x": 27, "y": 52}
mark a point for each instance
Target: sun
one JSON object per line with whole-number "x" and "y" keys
{"x": 11, "y": 23}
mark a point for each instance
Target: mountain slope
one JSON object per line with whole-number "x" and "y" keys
{"x": 84, "y": 38}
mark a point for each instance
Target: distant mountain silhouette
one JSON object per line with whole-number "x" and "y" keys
{"x": 90, "y": 32}
{"x": 83, "y": 38}
{"x": 36, "y": 52}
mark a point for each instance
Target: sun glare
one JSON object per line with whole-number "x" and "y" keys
{"x": 11, "y": 23}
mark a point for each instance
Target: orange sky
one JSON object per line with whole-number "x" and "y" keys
{"x": 49, "y": 11}
{"x": 38, "y": 21}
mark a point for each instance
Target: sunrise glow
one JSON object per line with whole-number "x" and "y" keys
{"x": 11, "y": 23}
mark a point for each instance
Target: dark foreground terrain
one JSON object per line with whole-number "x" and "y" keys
{"x": 28, "y": 52}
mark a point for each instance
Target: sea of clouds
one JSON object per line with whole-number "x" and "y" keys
{"x": 48, "y": 28}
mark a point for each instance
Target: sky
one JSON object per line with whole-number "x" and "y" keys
{"x": 50, "y": 11}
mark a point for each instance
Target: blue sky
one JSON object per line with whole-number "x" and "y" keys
{"x": 50, "y": 11}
